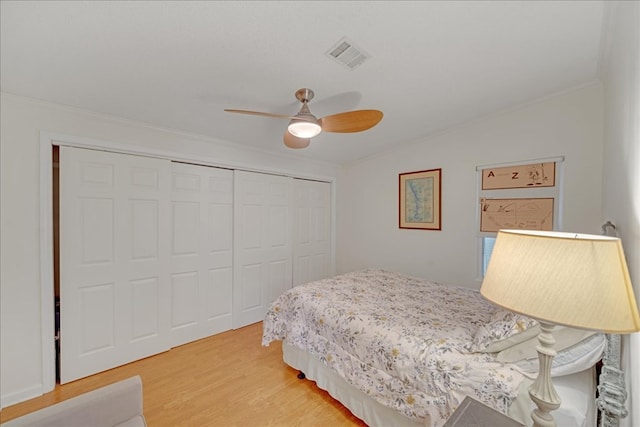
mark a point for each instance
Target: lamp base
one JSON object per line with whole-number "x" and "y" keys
{"x": 542, "y": 391}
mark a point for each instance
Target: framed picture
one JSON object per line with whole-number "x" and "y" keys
{"x": 534, "y": 175}
{"x": 516, "y": 213}
{"x": 420, "y": 200}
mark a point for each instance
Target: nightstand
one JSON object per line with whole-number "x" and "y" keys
{"x": 472, "y": 413}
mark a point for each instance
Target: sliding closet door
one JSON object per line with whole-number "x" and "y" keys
{"x": 312, "y": 231}
{"x": 201, "y": 251}
{"x": 262, "y": 243}
{"x": 113, "y": 260}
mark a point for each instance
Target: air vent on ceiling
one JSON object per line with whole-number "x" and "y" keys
{"x": 346, "y": 53}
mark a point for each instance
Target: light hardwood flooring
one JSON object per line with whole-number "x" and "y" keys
{"x": 225, "y": 380}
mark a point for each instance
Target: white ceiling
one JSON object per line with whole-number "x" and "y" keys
{"x": 434, "y": 65}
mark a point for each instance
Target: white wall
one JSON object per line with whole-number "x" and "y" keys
{"x": 621, "y": 198}
{"x": 568, "y": 125}
{"x": 21, "y": 121}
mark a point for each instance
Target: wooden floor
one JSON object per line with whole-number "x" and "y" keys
{"x": 225, "y": 380}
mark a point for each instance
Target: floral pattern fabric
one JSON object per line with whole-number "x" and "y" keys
{"x": 504, "y": 324}
{"x": 406, "y": 342}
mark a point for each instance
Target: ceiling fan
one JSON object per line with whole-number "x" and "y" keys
{"x": 304, "y": 125}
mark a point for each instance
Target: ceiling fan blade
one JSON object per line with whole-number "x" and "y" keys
{"x": 292, "y": 141}
{"x": 351, "y": 121}
{"x": 258, "y": 113}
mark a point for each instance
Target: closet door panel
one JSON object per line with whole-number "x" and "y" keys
{"x": 186, "y": 228}
{"x": 218, "y": 293}
{"x": 113, "y": 276}
{"x": 97, "y": 239}
{"x": 263, "y": 243}
{"x": 144, "y": 295}
{"x": 201, "y": 251}
{"x": 312, "y": 231}
{"x": 279, "y": 278}
{"x": 98, "y": 331}
{"x": 184, "y": 300}
{"x": 145, "y": 226}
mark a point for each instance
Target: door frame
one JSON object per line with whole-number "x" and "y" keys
{"x": 50, "y": 139}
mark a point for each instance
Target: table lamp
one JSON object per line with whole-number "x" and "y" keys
{"x": 568, "y": 279}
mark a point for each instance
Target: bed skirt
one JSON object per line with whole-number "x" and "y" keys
{"x": 577, "y": 392}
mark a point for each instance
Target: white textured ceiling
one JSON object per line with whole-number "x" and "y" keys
{"x": 178, "y": 64}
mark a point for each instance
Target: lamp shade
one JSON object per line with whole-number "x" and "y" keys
{"x": 569, "y": 279}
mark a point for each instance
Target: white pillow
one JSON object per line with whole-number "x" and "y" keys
{"x": 574, "y": 359}
{"x": 565, "y": 337}
{"x": 505, "y": 329}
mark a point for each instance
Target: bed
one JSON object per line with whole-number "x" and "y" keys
{"x": 403, "y": 351}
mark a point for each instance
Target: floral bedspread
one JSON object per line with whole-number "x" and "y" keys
{"x": 404, "y": 341}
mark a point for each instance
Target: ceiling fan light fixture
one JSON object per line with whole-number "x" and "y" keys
{"x": 304, "y": 128}
{"x": 304, "y": 125}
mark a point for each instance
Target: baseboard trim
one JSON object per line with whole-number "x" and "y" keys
{"x": 20, "y": 396}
